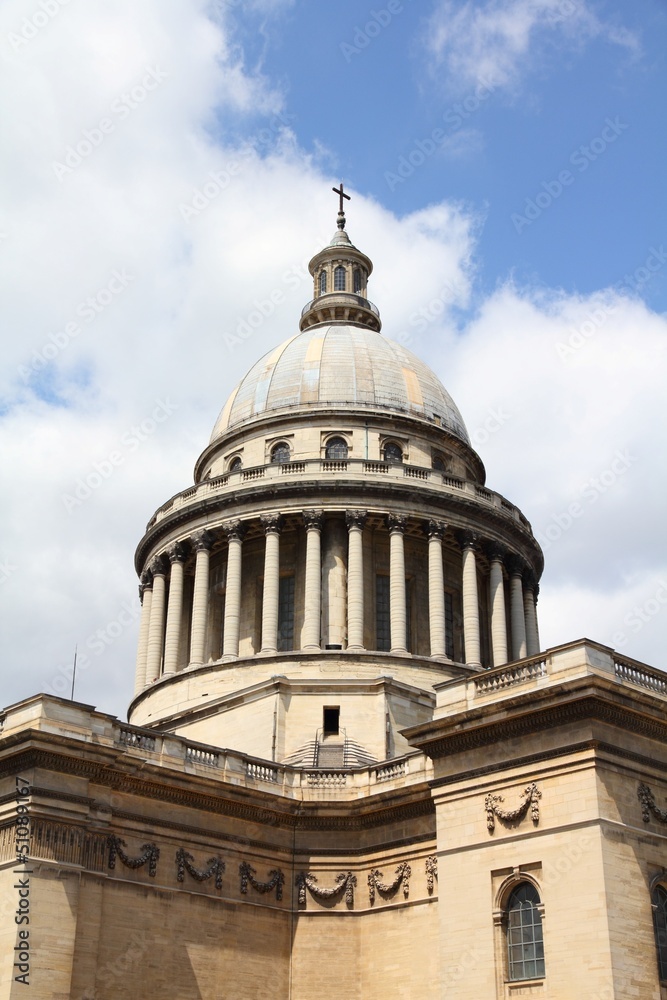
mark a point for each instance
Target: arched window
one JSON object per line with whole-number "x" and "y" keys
{"x": 392, "y": 452}
{"x": 438, "y": 463}
{"x": 525, "y": 944}
{"x": 339, "y": 279}
{"x": 659, "y": 900}
{"x": 280, "y": 453}
{"x": 357, "y": 280}
{"x": 336, "y": 448}
{"x": 323, "y": 282}
{"x": 235, "y": 464}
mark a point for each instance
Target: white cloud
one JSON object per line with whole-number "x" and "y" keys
{"x": 496, "y": 42}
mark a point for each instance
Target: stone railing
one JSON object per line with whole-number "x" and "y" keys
{"x": 556, "y": 665}
{"x": 633, "y": 672}
{"x": 261, "y": 772}
{"x": 360, "y": 470}
{"x": 326, "y": 779}
{"x": 138, "y": 738}
{"x": 504, "y": 677}
{"x": 394, "y": 770}
{"x": 199, "y": 756}
{"x": 287, "y": 779}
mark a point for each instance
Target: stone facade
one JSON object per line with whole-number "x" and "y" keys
{"x": 349, "y": 770}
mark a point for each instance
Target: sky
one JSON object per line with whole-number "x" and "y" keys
{"x": 167, "y": 175}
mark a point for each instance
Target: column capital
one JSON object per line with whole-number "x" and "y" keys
{"x": 272, "y": 523}
{"x": 158, "y": 566}
{"x": 234, "y": 530}
{"x": 529, "y": 580}
{"x": 145, "y": 583}
{"x": 515, "y": 565}
{"x": 495, "y": 552}
{"x": 436, "y": 529}
{"x": 313, "y": 519}
{"x": 202, "y": 539}
{"x": 468, "y": 539}
{"x": 355, "y": 518}
{"x": 396, "y": 522}
{"x": 176, "y": 553}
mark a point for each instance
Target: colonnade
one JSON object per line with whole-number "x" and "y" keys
{"x": 162, "y": 593}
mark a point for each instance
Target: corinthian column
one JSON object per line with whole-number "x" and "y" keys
{"x": 272, "y": 525}
{"x": 517, "y": 612}
{"x": 146, "y": 597}
{"x": 310, "y": 636}
{"x": 530, "y": 589}
{"x": 174, "y": 610}
{"x": 334, "y": 582}
{"x": 156, "y": 628}
{"x": 235, "y": 531}
{"x": 355, "y": 520}
{"x": 397, "y": 618}
{"x": 202, "y": 543}
{"x": 436, "y": 589}
{"x": 498, "y": 613}
{"x": 470, "y": 602}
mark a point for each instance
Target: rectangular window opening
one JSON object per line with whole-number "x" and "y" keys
{"x": 286, "y": 613}
{"x": 383, "y": 636}
{"x": 331, "y": 720}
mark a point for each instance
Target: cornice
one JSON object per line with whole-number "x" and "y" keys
{"x": 422, "y": 502}
{"x": 224, "y": 798}
{"x": 523, "y": 719}
{"x": 594, "y": 746}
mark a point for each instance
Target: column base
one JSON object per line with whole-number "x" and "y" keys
{"x": 356, "y": 649}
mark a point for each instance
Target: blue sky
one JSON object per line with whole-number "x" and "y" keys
{"x": 361, "y": 83}
{"x": 172, "y": 164}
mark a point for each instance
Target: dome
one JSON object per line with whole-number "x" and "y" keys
{"x": 340, "y": 365}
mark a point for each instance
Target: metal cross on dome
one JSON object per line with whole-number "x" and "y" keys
{"x": 341, "y": 192}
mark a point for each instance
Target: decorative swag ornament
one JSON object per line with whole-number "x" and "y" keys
{"x": 276, "y": 880}
{"x": 531, "y": 798}
{"x": 403, "y": 873}
{"x": 345, "y": 881}
{"x": 150, "y": 853}
{"x": 645, "y": 796}
{"x": 184, "y": 863}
